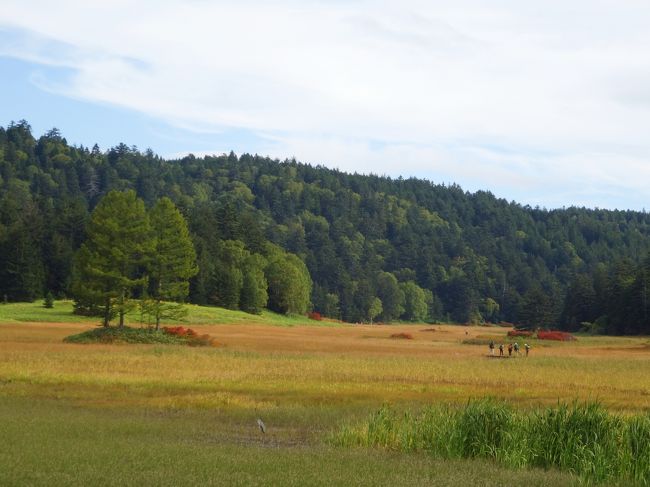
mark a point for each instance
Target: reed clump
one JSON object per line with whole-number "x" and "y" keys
{"x": 581, "y": 438}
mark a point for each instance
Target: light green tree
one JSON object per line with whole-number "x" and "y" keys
{"x": 375, "y": 309}
{"x": 415, "y": 301}
{"x": 289, "y": 282}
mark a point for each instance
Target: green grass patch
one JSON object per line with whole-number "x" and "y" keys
{"x": 50, "y": 443}
{"x": 582, "y": 439}
{"x": 61, "y": 312}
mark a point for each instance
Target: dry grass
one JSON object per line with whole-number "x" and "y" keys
{"x": 270, "y": 367}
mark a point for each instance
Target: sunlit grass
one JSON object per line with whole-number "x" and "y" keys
{"x": 308, "y": 365}
{"x": 197, "y": 315}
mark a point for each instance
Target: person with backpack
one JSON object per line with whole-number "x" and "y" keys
{"x": 491, "y": 346}
{"x": 509, "y": 349}
{"x": 527, "y": 347}
{"x": 516, "y": 349}
{"x": 501, "y": 350}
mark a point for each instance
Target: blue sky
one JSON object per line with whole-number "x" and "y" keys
{"x": 544, "y": 103}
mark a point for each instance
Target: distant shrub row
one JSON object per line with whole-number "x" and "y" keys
{"x": 561, "y": 336}
{"x": 583, "y": 439}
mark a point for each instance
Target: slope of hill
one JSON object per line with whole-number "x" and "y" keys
{"x": 467, "y": 256}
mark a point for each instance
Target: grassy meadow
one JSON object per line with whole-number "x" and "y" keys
{"x": 102, "y": 414}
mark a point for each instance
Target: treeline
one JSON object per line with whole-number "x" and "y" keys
{"x": 614, "y": 299}
{"x": 374, "y": 248}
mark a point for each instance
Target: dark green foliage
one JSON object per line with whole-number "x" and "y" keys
{"x": 391, "y": 296}
{"x": 254, "y": 296}
{"x": 228, "y": 277}
{"x": 48, "y": 302}
{"x": 349, "y": 230}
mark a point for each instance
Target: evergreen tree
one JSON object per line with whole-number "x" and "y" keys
{"x": 254, "y": 295}
{"x": 172, "y": 262}
{"x": 228, "y": 277}
{"x": 111, "y": 262}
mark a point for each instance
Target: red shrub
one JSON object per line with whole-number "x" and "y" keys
{"x": 192, "y": 337}
{"x": 561, "y": 336}
{"x": 179, "y": 331}
{"x": 406, "y": 336}
{"x": 520, "y": 333}
{"x": 315, "y": 315}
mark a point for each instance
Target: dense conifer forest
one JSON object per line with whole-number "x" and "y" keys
{"x": 358, "y": 247}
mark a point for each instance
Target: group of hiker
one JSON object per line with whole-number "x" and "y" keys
{"x": 512, "y": 347}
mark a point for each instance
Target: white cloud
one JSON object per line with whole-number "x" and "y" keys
{"x": 412, "y": 87}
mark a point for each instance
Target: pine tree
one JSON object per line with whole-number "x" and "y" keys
{"x": 228, "y": 277}
{"x": 110, "y": 263}
{"x": 254, "y": 295}
{"x": 172, "y": 263}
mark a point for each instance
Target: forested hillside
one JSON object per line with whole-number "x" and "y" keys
{"x": 376, "y": 248}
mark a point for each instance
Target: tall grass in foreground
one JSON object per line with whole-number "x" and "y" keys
{"x": 583, "y": 439}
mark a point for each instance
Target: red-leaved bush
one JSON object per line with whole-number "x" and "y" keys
{"x": 179, "y": 331}
{"x": 315, "y": 315}
{"x": 520, "y": 333}
{"x": 561, "y": 336}
{"x": 192, "y": 337}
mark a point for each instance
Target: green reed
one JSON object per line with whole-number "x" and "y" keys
{"x": 584, "y": 439}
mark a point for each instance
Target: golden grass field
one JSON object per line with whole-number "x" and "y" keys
{"x": 269, "y": 366}
{"x": 305, "y": 380}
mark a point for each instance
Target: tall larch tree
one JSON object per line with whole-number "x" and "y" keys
{"x": 111, "y": 263}
{"x": 172, "y": 263}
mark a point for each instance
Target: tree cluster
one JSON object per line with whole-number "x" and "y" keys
{"x": 129, "y": 252}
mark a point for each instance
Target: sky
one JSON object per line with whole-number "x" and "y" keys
{"x": 544, "y": 103}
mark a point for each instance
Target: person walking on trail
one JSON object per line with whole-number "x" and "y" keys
{"x": 491, "y": 345}
{"x": 527, "y": 347}
{"x": 509, "y": 349}
{"x": 501, "y": 350}
{"x": 517, "y": 349}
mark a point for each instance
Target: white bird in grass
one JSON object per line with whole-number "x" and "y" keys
{"x": 261, "y": 425}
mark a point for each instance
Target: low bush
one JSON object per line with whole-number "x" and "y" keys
{"x": 142, "y": 336}
{"x": 520, "y": 333}
{"x": 315, "y": 315}
{"x": 405, "y": 336}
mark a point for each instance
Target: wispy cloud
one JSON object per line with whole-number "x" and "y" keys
{"x": 544, "y": 103}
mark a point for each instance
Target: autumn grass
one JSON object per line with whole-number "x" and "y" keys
{"x": 304, "y": 379}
